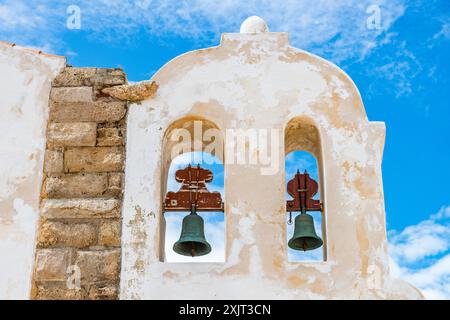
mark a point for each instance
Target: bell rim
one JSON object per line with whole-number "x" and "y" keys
{"x": 206, "y": 244}
{"x": 318, "y": 245}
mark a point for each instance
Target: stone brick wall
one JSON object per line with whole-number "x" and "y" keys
{"x": 82, "y": 189}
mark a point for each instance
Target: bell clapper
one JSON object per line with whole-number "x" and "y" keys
{"x": 193, "y": 249}
{"x": 193, "y": 211}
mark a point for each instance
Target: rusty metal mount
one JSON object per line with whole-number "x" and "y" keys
{"x": 303, "y": 188}
{"x": 193, "y": 192}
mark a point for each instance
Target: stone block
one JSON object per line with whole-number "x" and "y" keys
{"x": 54, "y": 162}
{"x": 51, "y": 264}
{"x": 74, "y": 77}
{"x": 109, "y": 233}
{"x": 94, "y": 159}
{"x": 102, "y": 265}
{"x": 115, "y": 184}
{"x": 103, "y": 292}
{"x": 57, "y": 292}
{"x": 77, "y": 77}
{"x": 106, "y": 77}
{"x": 76, "y": 235}
{"x": 72, "y": 134}
{"x": 133, "y": 92}
{"x": 72, "y": 94}
{"x": 97, "y": 111}
{"x": 83, "y": 185}
{"x": 110, "y": 137}
{"x": 80, "y": 208}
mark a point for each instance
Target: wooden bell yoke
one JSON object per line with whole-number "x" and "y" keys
{"x": 193, "y": 194}
{"x": 302, "y": 188}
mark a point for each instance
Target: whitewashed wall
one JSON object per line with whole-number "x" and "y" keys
{"x": 258, "y": 81}
{"x": 25, "y": 82}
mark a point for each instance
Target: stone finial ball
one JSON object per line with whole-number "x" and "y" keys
{"x": 254, "y": 24}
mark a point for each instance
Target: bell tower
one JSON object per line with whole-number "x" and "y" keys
{"x": 258, "y": 98}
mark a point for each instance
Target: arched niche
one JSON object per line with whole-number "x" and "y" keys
{"x": 186, "y": 135}
{"x": 301, "y": 134}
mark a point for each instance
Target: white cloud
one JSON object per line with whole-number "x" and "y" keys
{"x": 420, "y": 254}
{"x": 416, "y": 242}
{"x": 16, "y": 15}
{"x": 336, "y": 29}
{"x": 443, "y": 213}
{"x": 398, "y": 69}
{"x": 34, "y": 24}
{"x": 444, "y": 32}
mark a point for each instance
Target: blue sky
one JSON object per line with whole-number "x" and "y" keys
{"x": 400, "y": 68}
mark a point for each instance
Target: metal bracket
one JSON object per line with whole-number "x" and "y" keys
{"x": 193, "y": 192}
{"x": 303, "y": 188}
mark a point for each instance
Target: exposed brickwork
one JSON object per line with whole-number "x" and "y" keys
{"x": 80, "y": 221}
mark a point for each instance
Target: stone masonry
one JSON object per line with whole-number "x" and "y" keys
{"x": 79, "y": 226}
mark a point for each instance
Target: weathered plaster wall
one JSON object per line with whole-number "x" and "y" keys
{"x": 260, "y": 81}
{"x": 25, "y": 82}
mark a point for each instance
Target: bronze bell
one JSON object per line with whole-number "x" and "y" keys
{"x": 192, "y": 240}
{"x": 304, "y": 237}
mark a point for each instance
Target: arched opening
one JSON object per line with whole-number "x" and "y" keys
{"x": 303, "y": 160}
{"x": 192, "y": 145}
